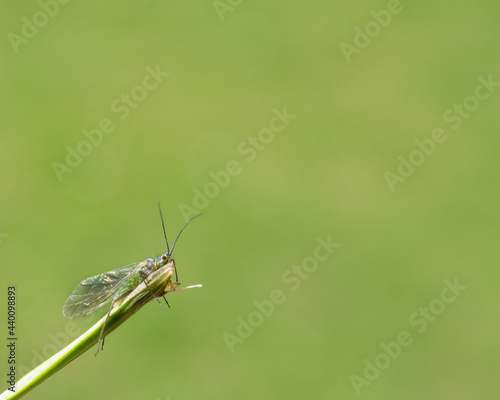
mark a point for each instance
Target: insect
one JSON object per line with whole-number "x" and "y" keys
{"x": 96, "y": 291}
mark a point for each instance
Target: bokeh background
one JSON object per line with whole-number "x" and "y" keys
{"x": 230, "y": 65}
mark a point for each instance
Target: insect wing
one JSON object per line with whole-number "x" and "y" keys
{"x": 95, "y": 291}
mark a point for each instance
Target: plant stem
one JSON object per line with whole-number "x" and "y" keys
{"x": 158, "y": 284}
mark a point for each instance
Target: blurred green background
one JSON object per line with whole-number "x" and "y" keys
{"x": 323, "y": 175}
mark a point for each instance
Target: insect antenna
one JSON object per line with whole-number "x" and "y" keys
{"x": 170, "y": 250}
{"x": 184, "y": 227}
{"x": 164, "y": 231}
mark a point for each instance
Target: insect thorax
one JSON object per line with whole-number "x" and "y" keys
{"x": 154, "y": 264}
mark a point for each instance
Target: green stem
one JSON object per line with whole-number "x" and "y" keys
{"x": 158, "y": 284}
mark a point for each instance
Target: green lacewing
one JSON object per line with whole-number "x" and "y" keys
{"x": 96, "y": 291}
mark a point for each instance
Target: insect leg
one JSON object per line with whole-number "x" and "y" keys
{"x": 102, "y": 330}
{"x": 144, "y": 276}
